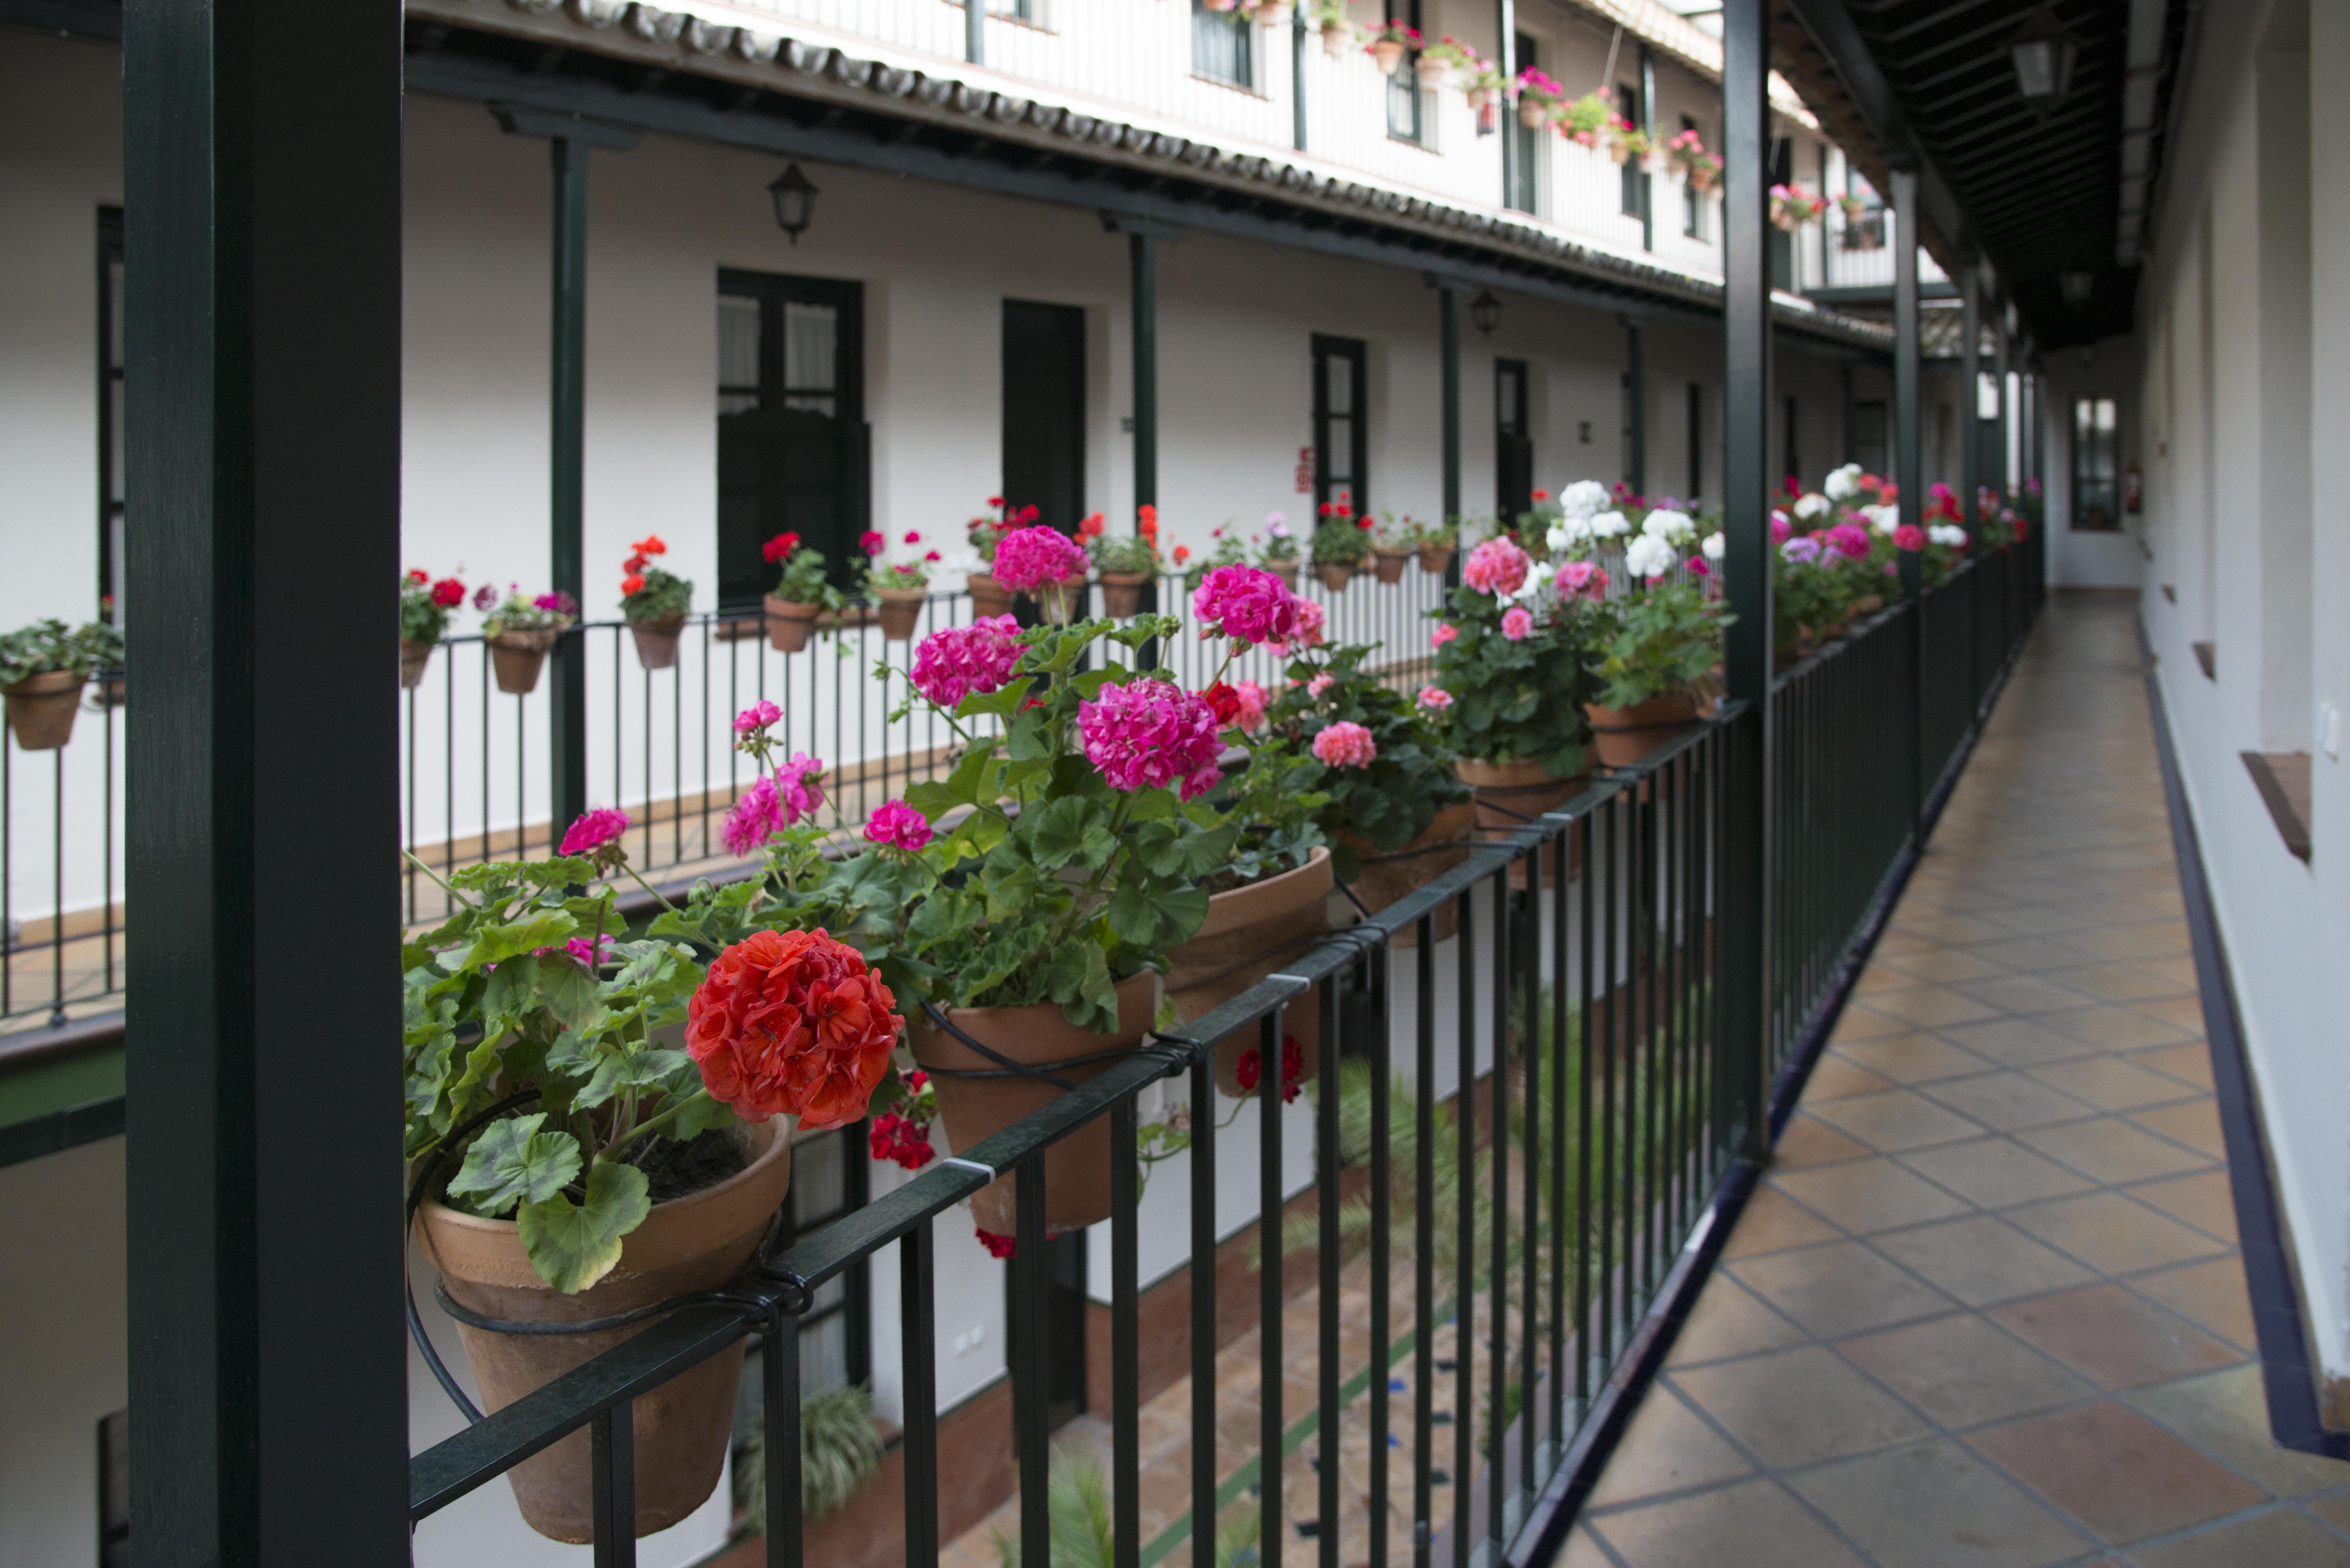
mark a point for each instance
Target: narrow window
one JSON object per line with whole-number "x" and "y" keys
{"x": 1513, "y": 447}
{"x": 1405, "y": 119}
{"x": 1696, "y": 440}
{"x": 2096, "y": 473}
{"x": 1869, "y": 423}
{"x": 1634, "y": 184}
{"x": 1223, "y": 46}
{"x": 1782, "y": 244}
{"x": 1340, "y": 444}
{"x": 1526, "y": 149}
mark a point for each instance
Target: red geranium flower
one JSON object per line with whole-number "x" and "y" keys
{"x": 791, "y": 1023}
{"x": 631, "y": 586}
{"x": 651, "y": 544}
{"x": 781, "y": 546}
{"x": 1224, "y": 702}
{"x": 448, "y": 593}
{"x": 997, "y": 1246}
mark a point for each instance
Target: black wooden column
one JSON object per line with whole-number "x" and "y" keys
{"x": 1506, "y": 24}
{"x": 1447, "y": 332}
{"x": 268, "y": 1377}
{"x": 1970, "y": 396}
{"x": 1648, "y": 128}
{"x": 2000, "y": 341}
{"x": 1745, "y": 950}
{"x": 1636, "y": 399}
{"x": 1907, "y": 470}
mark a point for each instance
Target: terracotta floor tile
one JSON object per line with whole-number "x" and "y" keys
{"x": 2195, "y": 1124}
{"x": 1898, "y": 1120}
{"x": 1772, "y": 1222}
{"x": 1938, "y": 1505}
{"x": 2212, "y": 1293}
{"x": 2226, "y": 1413}
{"x": 2034, "y": 955}
{"x": 1930, "y": 1006}
{"x": 2280, "y": 1536}
{"x": 1838, "y": 1289}
{"x": 1810, "y": 1142}
{"x": 2110, "y": 1027}
{"x": 2191, "y": 1063}
{"x": 1981, "y": 1259}
{"x": 2006, "y": 1101}
{"x": 1913, "y": 1058}
{"x": 1835, "y": 1076}
{"x": 1993, "y": 1173}
{"x": 1755, "y": 1524}
{"x": 2109, "y": 1232}
{"x": 1866, "y": 1195}
{"x": 1583, "y": 1551}
{"x": 2111, "y": 1083}
{"x": 1943, "y": 965}
{"x": 2106, "y": 1333}
{"x": 1856, "y": 1021}
{"x": 2335, "y": 1509}
{"x": 2184, "y": 1012}
{"x": 2043, "y": 919}
{"x": 2018, "y": 1041}
{"x": 1879, "y": 977}
{"x": 2111, "y": 1150}
{"x": 2114, "y": 1472}
{"x": 1667, "y": 1448}
{"x": 1937, "y": 926}
{"x": 1730, "y": 1320}
{"x": 1964, "y": 1370}
{"x": 2127, "y": 944}
{"x": 2206, "y": 1200}
{"x": 1799, "y": 1407}
{"x": 2022, "y": 993}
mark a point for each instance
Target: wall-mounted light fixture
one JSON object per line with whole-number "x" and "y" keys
{"x": 2042, "y": 53}
{"x": 795, "y": 195}
{"x": 1485, "y": 312}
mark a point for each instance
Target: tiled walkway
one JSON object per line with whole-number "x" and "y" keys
{"x": 1987, "y": 1307}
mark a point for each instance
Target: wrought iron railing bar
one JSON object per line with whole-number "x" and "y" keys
{"x": 1423, "y": 1228}
{"x": 918, "y": 1378}
{"x": 1497, "y": 1374}
{"x": 1587, "y": 1046}
{"x": 1464, "y": 1255}
{"x": 1530, "y": 1259}
{"x": 1032, "y": 1392}
{"x": 779, "y": 1391}
{"x": 1203, "y": 1273}
{"x": 1125, "y": 1348}
{"x": 1272, "y": 1368}
{"x": 1382, "y": 1265}
{"x": 1326, "y": 1204}
{"x": 612, "y": 1481}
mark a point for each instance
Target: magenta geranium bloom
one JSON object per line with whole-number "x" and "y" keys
{"x": 897, "y": 826}
{"x": 1151, "y": 734}
{"x": 1028, "y": 560}
{"x": 754, "y": 817}
{"x": 1246, "y": 604}
{"x": 1909, "y": 536}
{"x": 952, "y": 663}
{"x": 756, "y": 717}
{"x": 593, "y": 830}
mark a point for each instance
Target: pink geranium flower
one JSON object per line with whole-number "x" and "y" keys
{"x": 1309, "y": 629}
{"x": 1698, "y": 568}
{"x": 1346, "y": 745}
{"x": 593, "y": 830}
{"x": 757, "y": 716}
{"x": 1028, "y": 559}
{"x": 755, "y": 817}
{"x": 897, "y": 826}
{"x": 1445, "y": 632}
{"x": 1434, "y": 699}
{"x": 1246, "y": 604}
{"x": 1497, "y": 567}
{"x": 1581, "y": 579}
{"x": 800, "y": 785}
{"x": 1151, "y": 734}
{"x": 1516, "y": 622}
{"x": 954, "y": 662}
{"x": 1780, "y": 529}
{"x": 1849, "y": 540}
{"x": 1319, "y": 684}
{"x": 1909, "y": 536}
{"x": 1251, "y": 717}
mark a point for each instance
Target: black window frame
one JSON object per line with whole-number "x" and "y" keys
{"x": 1512, "y": 419}
{"x": 1405, "y": 120}
{"x": 1634, "y": 179}
{"x": 1696, "y": 442}
{"x": 1210, "y": 28}
{"x": 2088, "y": 489}
{"x": 1354, "y": 353}
{"x": 1791, "y": 451}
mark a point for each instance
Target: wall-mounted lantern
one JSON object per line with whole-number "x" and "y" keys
{"x": 795, "y": 195}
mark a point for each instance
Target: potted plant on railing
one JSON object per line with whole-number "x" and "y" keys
{"x": 569, "y": 1165}
{"x": 1328, "y": 17}
{"x": 654, "y": 602}
{"x": 1391, "y": 545}
{"x": 898, "y": 581}
{"x": 1655, "y": 648}
{"x": 1271, "y": 13}
{"x": 1510, "y": 658}
{"x": 1127, "y": 566}
{"x": 1627, "y": 141}
{"x": 1436, "y": 62}
{"x": 42, "y": 667}
{"x": 801, "y": 594}
{"x": 1792, "y": 206}
{"x": 1279, "y": 556}
{"x": 1589, "y": 119}
{"x": 1390, "y": 43}
{"x": 1435, "y": 543}
{"x": 1482, "y": 88}
{"x": 520, "y": 630}
{"x": 988, "y": 596}
{"x": 1688, "y": 154}
{"x": 1539, "y": 99}
{"x": 1342, "y": 543}
{"x": 424, "y": 607}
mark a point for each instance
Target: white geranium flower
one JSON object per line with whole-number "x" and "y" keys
{"x": 1884, "y": 518}
{"x": 1813, "y": 506}
{"x": 1648, "y": 556}
{"x": 1947, "y": 534}
{"x": 1715, "y": 543}
{"x": 1845, "y": 483}
{"x": 1667, "y": 526}
{"x": 1584, "y": 498}
{"x": 1554, "y": 540}
{"x": 1610, "y": 524}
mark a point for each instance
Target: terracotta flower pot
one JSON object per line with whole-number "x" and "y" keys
{"x": 1619, "y": 149}
{"x": 988, "y": 596}
{"x": 1622, "y": 736}
{"x": 1122, "y": 594}
{"x": 1533, "y": 112}
{"x": 1431, "y": 72}
{"x": 1336, "y": 574}
{"x": 1272, "y": 15}
{"x": 1435, "y": 557}
{"x": 41, "y": 709}
{"x": 790, "y": 623}
{"x": 1700, "y": 178}
{"x": 657, "y": 641}
{"x": 697, "y": 1242}
{"x": 1334, "y": 39}
{"x": 1387, "y": 875}
{"x": 1285, "y": 570}
{"x": 413, "y": 657}
{"x": 517, "y": 657}
{"x": 1250, "y": 932}
{"x": 901, "y": 612}
{"x": 1511, "y": 796}
{"x": 1388, "y": 54}
{"x": 1391, "y": 565}
{"x": 1077, "y": 1169}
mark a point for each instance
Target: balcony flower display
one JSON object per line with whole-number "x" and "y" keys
{"x": 988, "y": 596}
{"x": 898, "y": 580}
{"x": 1587, "y": 120}
{"x": 1328, "y": 17}
{"x": 1342, "y": 543}
{"x": 1435, "y": 543}
{"x": 1279, "y": 556}
{"x": 1127, "y": 565}
{"x": 1627, "y": 141}
{"x": 1392, "y": 542}
{"x": 1390, "y": 43}
{"x": 654, "y": 602}
{"x": 1539, "y": 99}
{"x": 1227, "y": 548}
{"x": 42, "y": 667}
{"x": 801, "y": 594}
{"x": 1271, "y": 13}
{"x": 1687, "y": 154}
{"x": 1436, "y": 63}
{"x": 1792, "y": 206}
{"x": 424, "y": 607}
{"x": 520, "y": 629}
{"x": 1652, "y": 647}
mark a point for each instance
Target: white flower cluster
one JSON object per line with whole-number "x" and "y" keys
{"x": 1669, "y": 526}
{"x": 1649, "y": 555}
{"x": 1583, "y": 499}
{"x": 1813, "y": 506}
{"x": 1715, "y": 543}
{"x": 1947, "y": 534}
{"x": 1568, "y": 530}
{"x": 1884, "y": 518}
{"x": 1845, "y": 483}
{"x": 1610, "y": 526}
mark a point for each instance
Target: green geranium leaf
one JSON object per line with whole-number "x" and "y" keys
{"x": 1180, "y": 912}
{"x": 1065, "y": 831}
{"x": 566, "y": 988}
{"x": 514, "y": 1162}
{"x": 546, "y": 928}
{"x": 1131, "y": 915}
{"x": 573, "y": 1245}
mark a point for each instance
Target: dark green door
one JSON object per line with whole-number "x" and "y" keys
{"x": 1044, "y": 410}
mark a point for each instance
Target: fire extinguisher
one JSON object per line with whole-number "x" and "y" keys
{"x": 2133, "y": 489}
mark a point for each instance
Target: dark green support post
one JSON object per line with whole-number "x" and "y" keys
{"x": 570, "y": 142}
{"x": 1851, "y": 413}
{"x": 1970, "y": 395}
{"x": 1907, "y": 468}
{"x": 264, "y": 1236}
{"x": 1742, "y": 996}
{"x": 1143, "y": 257}
{"x": 1505, "y": 19}
{"x": 1648, "y": 126}
{"x": 1635, "y": 395}
{"x": 1297, "y": 75}
{"x": 2000, "y": 341}
{"x": 1447, "y": 307}
{"x": 974, "y": 31}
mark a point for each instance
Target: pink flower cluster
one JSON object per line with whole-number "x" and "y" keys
{"x": 1445, "y": 632}
{"x": 1516, "y": 622}
{"x": 1151, "y": 734}
{"x": 897, "y": 826}
{"x": 795, "y": 791}
{"x": 1580, "y": 580}
{"x": 1909, "y": 536}
{"x": 1434, "y": 700}
{"x": 1346, "y": 745}
{"x": 1247, "y": 605}
{"x": 1319, "y": 684}
{"x": 954, "y": 662}
{"x": 1496, "y": 567}
{"x": 1849, "y": 540}
{"x": 593, "y": 830}
{"x": 1780, "y": 529}
{"x": 757, "y": 716}
{"x": 1248, "y": 701}
{"x": 1308, "y": 634}
{"x": 1028, "y": 560}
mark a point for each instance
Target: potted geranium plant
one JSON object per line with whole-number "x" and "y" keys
{"x": 1627, "y": 141}
{"x": 1127, "y": 566}
{"x": 1388, "y": 43}
{"x": 424, "y": 607}
{"x": 1588, "y": 119}
{"x": 1391, "y": 543}
{"x": 1655, "y": 647}
{"x": 898, "y": 580}
{"x": 1328, "y": 17}
{"x": 801, "y": 594}
{"x": 1793, "y": 205}
{"x": 1279, "y": 555}
{"x": 1435, "y": 543}
{"x": 520, "y": 630}
{"x": 988, "y": 596}
{"x": 1539, "y": 99}
{"x": 1699, "y": 167}
{"x": 1342, "y": 543}
{"x": 654, "y": 602}
{"x": 571, "y": 1162}
{"x": 42, "y": 667}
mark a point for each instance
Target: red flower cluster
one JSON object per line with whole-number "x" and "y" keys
{"x": 778, "y": 547}
{"x": 902, "y": 1142}
{"x": 997, "y": 1246}
{"x": 448, "y": 593}
{"x": 633, "y": 583}
{"x": 1250, "y": 1067}
{"x": 1093, "y": 526}
{"x": 1145, "y": 522}
{"x": 418, "y": 578}
{"x": 871, "y": 542}
{"x": 791, "y": 1023}
{"x": 1224, "y": 702}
